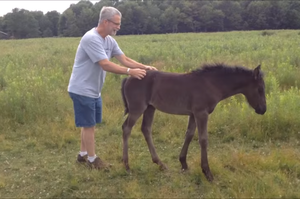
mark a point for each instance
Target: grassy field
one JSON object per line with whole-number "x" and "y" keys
{"x": 251, "y": 156}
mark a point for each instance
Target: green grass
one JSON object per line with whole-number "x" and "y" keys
{"x": 250, "y": 155}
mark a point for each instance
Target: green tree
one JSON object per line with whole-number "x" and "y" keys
{"x": 38, "y": 15}
{"x": 152, "y": 17}
{"x": 275, "y": 14}
{"x": 255, "y": 15}
{"x": 85, "y": 20}
{"x": 32, "y": 25}
{"x": 80, "y": 6}
{"x": 3, "y": 34}
{"x": 1, "y": 23}
{"x": 170, "y": 18}
{"x": 232, "y": 11}
{"x": 196, "y": 14}
{"x": 71, "y": 28}
{"x": 206, "y": 17}
{"x": 47, "y": 33}
{"x": 53, "y": 17}
{"x": 292, "y": 15}
{"x": 62, "y": 24}
{"x": 185, "y": 17}
{"x": 139, "y": 19}
{"x": 128, "y": 23}
{"x": 217, "y": 19}
{"x": 68, "y": 24}
{"x": 45, "y": 24}
{"x": 21, "y": 24}
{"x": 157, "y": 16}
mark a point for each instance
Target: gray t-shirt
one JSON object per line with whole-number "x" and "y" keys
{"x": 87, "y": 76}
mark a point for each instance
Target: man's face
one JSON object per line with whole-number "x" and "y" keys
{"x": 113, "y": 25}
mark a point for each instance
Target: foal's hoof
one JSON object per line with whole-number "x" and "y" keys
{"x": 127, "y": 168}
{"x": 207, "y": 174}
{"x": 163, "y": 167}
{"x": 183, "y": 170}
{"x": 128, "y": 172}
{"x": 184, "y": 167}
{"x": 209, "y": 177}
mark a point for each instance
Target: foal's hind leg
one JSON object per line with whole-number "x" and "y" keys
{"x": 188, "y": 137}
{"x": 127, "y": 127}
{"x": 146, "y": 129}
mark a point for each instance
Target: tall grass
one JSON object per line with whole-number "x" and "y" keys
{"x": 249, "y": 155}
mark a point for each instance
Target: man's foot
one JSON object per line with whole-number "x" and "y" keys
{"x": 82, "y": 159}
{"x": 97, "y": 164}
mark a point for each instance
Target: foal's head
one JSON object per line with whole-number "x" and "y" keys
{"x": 255, "y": 92}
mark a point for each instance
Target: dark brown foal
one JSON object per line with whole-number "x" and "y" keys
{"x": 195, "y": 94}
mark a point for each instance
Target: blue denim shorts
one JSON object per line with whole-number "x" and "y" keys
{"x": 87, "y": 110}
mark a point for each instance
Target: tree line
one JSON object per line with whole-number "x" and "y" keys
{"x": 155, "y": 17}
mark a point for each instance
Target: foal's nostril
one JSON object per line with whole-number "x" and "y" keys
{"x": 260, "y": 110}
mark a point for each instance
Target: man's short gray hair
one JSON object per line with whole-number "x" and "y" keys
{"x": 108, "y": 13}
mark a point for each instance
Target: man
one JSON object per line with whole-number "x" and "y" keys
{"x": 89, "y": 70}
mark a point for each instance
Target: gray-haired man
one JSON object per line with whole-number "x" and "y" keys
{"x": 95, "y": 49}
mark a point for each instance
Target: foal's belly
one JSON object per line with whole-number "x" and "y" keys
{"x": 174, "y": 112}
{"x": 172, "y": 109}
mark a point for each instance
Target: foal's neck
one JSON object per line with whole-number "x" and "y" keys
{"x": 232, "y": 84}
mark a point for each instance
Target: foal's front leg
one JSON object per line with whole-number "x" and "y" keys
{"x": 127, "y": 127}
{"x": 146, "y": 129}
{"x": 188, "y": 138}
{"x": 201, "y": 120}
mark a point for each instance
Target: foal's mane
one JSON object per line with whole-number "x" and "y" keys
{"x": 222, "y": 69}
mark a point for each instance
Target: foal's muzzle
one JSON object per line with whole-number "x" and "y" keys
{"x": 261, "y": 110}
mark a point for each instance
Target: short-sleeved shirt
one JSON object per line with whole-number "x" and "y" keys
{"x": 87, "y": 76}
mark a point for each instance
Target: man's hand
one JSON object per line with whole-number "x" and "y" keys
{"x": 137, "y": 73}
{"x": 150, "y": 68}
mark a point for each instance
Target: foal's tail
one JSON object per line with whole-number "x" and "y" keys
{"x": 123, "y": 96}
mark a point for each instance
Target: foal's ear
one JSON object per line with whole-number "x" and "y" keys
{"x": 256, "y": 72}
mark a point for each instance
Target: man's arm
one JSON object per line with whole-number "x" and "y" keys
{"x": 117, "y": 69}
{"x": 126, "y": 61}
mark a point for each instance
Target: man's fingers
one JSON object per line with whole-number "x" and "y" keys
{"x": 143, "y": 72}
{"x": 153, "y": 68}
{"x": 140, "y": 74}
